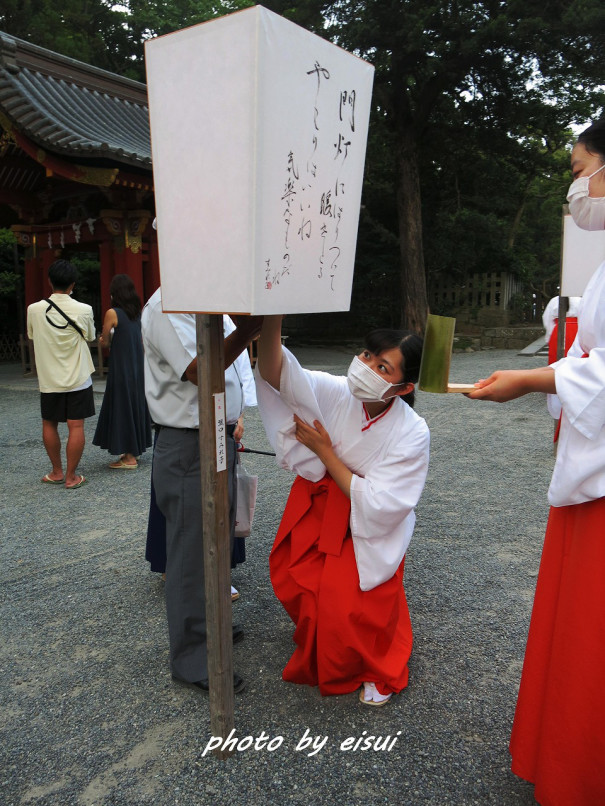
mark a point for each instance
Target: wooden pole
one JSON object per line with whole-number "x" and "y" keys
{"x": 215, "y": 516}
{"x": 562, "y": 316}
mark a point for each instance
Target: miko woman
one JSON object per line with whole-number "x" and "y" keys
{"x": 361, "y": 454}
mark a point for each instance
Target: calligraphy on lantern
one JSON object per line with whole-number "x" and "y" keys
{"x": 314, "y": 190}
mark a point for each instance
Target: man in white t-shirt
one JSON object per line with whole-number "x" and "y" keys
{"x": 60, "y": 328}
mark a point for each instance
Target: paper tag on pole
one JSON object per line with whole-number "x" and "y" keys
{"x": 221, "y": 431}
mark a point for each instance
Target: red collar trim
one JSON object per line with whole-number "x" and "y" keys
{"x": 370, "y": 422}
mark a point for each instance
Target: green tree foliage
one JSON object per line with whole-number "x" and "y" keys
{"x": 106, "y": 34}
{"x": 478, "y": 98}
{"x": 150, "y": 18}
{"x": 493, "y": 205}
{"x": 91, "y": 31}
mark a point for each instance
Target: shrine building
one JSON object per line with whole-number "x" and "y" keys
{"x": 75, "y": 167}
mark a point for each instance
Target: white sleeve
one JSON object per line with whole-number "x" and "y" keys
{"x": 382, "y": 507}
{"x": 173, "y": 337}
{"x": 30, "y": 329}
{"x": 580, "y": 386}
{"x": 549, "y": 317}
{"x": 553, "y": 404}
{"x": 247, "y": 378}
{"x": 303, "y": 393}
{"x": 580, "y": 381}
{"x": 89, "y": 326}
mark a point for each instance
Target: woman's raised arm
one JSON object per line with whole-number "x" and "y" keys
{"x": 269, "y": 350}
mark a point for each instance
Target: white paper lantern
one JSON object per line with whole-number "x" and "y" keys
{"x": 259, "y": 132}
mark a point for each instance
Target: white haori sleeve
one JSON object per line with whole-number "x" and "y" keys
{"x": 553, "y": 404}
{"x": 580, "y": 386}
{"x": 549, "y": 317}
{"x": 382, "y": 505}
{"x": 297, "y": 395}
{"x": 580, "y": 381}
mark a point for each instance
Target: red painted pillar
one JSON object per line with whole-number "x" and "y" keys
{"x": 152, "y": 280}
{"x": 36, "y": 276}
{"x": 131, "y": 263}
{"x": 33, "y": 286}
{"x": 133, "y": 267}
{"x": 47, "y": 258}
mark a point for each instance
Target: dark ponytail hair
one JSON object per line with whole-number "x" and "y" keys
{"x": 593, "y": 139}
{"x": 124, "y": 296}
{"x": 410, "y": 346}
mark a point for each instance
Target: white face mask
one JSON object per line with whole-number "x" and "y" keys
{"x": 588, "y": 212}
{"x": 367, "y": 385}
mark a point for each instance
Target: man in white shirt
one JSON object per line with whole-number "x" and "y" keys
{"x": 60, "y": 328}
{"x": 170, "y": 388}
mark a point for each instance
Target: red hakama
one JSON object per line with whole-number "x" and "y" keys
{"x": 344, "y": 636}
{"x": 558, "y": 737}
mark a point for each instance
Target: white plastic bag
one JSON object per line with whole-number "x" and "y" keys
{"x": 246, "y": 500}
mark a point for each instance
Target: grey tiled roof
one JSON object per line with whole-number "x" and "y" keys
{"x": 72, "y": 109}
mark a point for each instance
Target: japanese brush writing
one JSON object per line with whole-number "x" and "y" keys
{"x": 314, "y": 188}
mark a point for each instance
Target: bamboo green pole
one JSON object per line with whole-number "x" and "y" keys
{"x": 437, "y": 355}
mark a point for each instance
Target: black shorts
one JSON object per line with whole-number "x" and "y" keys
{"x": 58, "y": 407}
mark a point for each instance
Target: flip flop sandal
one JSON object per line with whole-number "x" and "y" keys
{"x": 47, "y": 480}
{"x": 79, "y": 484}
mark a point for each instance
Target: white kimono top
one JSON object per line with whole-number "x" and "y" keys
{"x": 387, "y": 455}
{"x": 579, "y": 473}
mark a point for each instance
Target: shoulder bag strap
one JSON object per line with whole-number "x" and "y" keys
{"x": 70, "y": 321}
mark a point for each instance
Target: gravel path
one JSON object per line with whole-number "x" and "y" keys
{"x": 90, "y": 714}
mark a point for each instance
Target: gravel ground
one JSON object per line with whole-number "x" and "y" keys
{"x": 90, "y": 714}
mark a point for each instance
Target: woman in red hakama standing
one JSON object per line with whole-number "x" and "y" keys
{"x": 558, "y": 736}
{"x": 361, "y": 457}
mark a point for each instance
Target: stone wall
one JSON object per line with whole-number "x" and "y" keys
{"x": 510, "y": 338}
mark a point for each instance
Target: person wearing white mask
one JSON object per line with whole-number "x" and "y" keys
{"x": 586, "y": 206}
{"x": 558, "y": 736}
{"x": 361, "y": 455}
